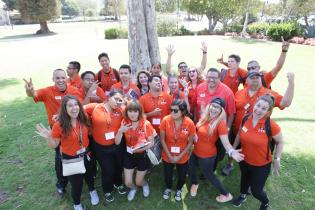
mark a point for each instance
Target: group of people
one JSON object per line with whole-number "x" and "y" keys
{"x": 113, "y": 119}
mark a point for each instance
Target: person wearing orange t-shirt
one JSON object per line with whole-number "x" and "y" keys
{"x": 107, "y": 76}
{"x": 177, "y": 132}
{"x": 139, "y": 135}
{"x": 234, "y": 75}
{"x": 175, "y": 92}
{"x": 156, "y": 69}
{"x": 142, "y": 81}
{"x": 51, "y": 97}
{"x": 156, "y": 103}
{"x": 90, "y": 90}
{"x": 105, "y": 121}
{"x": 255, "y": 145}
{"x": 126, "y": 86}
{"x": 73, "y": 70}
{"x": 246, "y": 98}
{"x": 71, "y": 133}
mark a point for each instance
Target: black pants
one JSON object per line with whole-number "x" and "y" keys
{"x": 110, "y": 159}
{"x": 76, "y": 181}
{"x": 62, "y": 181}
{"x": 206, "y": 165}
{"x": 255, "y": 177}
{"x": 181, "y": 174}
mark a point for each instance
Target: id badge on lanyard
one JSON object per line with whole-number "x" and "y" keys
{"x": 109, "y": 135}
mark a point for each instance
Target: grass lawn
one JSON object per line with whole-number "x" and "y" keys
{"x": 26, "y": 163}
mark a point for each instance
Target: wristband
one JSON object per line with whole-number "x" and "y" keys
{"x": 285, "y": 51}
{"x": 204, "y": 52}
{"x": 277, "y": 158}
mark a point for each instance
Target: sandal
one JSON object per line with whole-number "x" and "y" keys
{"x": 224, "y": 198}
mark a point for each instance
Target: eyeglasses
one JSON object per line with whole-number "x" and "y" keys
{"x": 89, "y": 80}
{"x": 183, "y": 67}
{"x": 174, "y": 110}
{"x": 214, "y": 78}
{"x": 251, "y": 68}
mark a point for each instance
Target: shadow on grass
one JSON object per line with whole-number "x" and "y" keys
{"x": 25, "y": 36}
{"x": 9, "y": 82}
{"x": 249, "y": 41}
{"x": 294, "y": 119}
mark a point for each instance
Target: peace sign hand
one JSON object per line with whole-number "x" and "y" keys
{"x": 285, "y": 45}
{"x": 220, "y": 60}
{"x": 43, "y": 131}
{"x": 29, "y": 87}
{"x": 204, "y": 46}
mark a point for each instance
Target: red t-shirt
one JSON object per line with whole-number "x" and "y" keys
{"x": 222, "y": 91}
{"x": 70, "y": 144}
{"x": 177, "y": 137}
{"x": 132, "y": 87}
{"x": 77, "y": 82}
{"x": 107, "y": 80}
{"x": 205, "y": 146}
{"x": 98, "y": 92}
{"x": 233, "y": 82}
{"x": 104, "y": 124}
{"x": 254, "y": 141}
{"x": 51, "y": 97}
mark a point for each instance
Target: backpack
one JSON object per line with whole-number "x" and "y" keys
{"x": 239, "y": 78}
{"x": 99, "y": 76}
{"x": 271, "y": 141}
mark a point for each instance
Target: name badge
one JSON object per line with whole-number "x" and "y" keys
{"x": 94, "y": 93}
{"x": 156, "y": 121}
{"x": 246, "y": 106}
{"x": 244, "y": 129}
{"x": 81, "y": 151}
{"x": 175, "y": 150}
{"x": 107, "y": 93}
{"x": 58, "y": 97}
{"x": 202, "y": 95}
{"x": 110, "y": 135}
{"x": 129, "y": 150}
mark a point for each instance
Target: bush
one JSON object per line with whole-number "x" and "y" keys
{"x": 287, "y": 30}
{"x": 182, "y": 31}
{"x": 167, "y": 27}
{"x": 258, "y": 28}
{"x": 234, "y": 28}
{"x": 116, "y": 33}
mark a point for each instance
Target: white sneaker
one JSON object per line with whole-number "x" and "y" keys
{"x": 178, "y": 195}
{"x": 146, "y": 190}
{"x": 167, "y": 193}
{"x": 78, "y": 207}
{"x": 132, "y": 194}
{"x": 94, "y": 198}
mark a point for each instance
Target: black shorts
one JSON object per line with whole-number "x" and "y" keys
{"x": 139, "y": 161}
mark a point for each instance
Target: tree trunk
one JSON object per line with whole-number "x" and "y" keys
{"x": 142, "y": 37}
{"x": 43, "y": 27}
{"x": 243, "y": 33}
{"x": 139, "y": 57}
{"x": 212, "y": 22}
{"x": 153, "y": 44}
{"x": 306, "y": 21}
{"x": 284, "y": 6}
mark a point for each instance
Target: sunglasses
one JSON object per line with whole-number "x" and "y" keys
{"x": 174, "y": 110}
{"x": 251, "y": 68}
{"x": 183, "y": 67}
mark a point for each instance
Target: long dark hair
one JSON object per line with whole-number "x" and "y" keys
{"x": 182, "y": 105}
{"x": 64, "y": 118}
{"x": 138, "y": 76}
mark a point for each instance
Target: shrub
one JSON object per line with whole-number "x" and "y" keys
{"x": 116, "y": 33}
{"x": 167, "y": 27}
{"x": 287, "y": 30}
{"x": 234, "y": 28}
{"x": 258, "y": 28}
{"x": 182, "y": 31}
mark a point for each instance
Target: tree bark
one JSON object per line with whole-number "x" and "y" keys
{"x": 306, "y": 21}
{"x": 142, "y": 34}
{"x": 43, "y": 27}
{"x": 212, "y": 22}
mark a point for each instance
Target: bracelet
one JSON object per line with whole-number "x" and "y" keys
{"x": 285, "y": 51}
{"x": 230, "y": 152}
{"x": 204, "y": 52}
{"x": 277, "y": 158}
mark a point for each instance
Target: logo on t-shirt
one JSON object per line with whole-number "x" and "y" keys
{"x": 261, "y": 130}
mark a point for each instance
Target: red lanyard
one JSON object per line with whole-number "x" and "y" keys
{"x": 176, "y": 135}
{"x": 79, "y": 135}
{"x": 107, "y": 117}
{"x": 156, "y": 102}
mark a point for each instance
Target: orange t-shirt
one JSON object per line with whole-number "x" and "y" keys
{"x": 149, "y": 103}
{"x": 254, "y": 141}
{"x": 77, "y": 82}
{"x": 140, "y": 134}
{"x": 245, "y": 104}
{"x": 132, "y": 87}
{"x": 192, "y": 94}
{"x": 178, "y": 95}
{"x": 70, "y": 144}
{"x": 51, "y": 97}
{"x": 164, "y": 83}
{"x": 205, "y": 146}
{"x": 98, "y": 92}
{"x": 177, "y": 138}
{"x": 104, "y": 124}
{"x": 107, "y": 80}
{"x": 233, "y": 82}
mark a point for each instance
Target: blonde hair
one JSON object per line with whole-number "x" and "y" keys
{"x": 213, "y": 123}
{"x": 199, "y": 74}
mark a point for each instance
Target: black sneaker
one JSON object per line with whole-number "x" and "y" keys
{"x": 241, "y": 199}
{"x": 227, "y": 169}
{"x": 61, "y": 191}
{"x": 109, "y": 197}
{"x": 264, "y": 206}
{"x": 121, "y": 189}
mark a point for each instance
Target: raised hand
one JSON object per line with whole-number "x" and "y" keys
{"x": 220, "y": 60}
{"x": 170, "y": 50}
{"x": 29, "y": 87}
{"x": 204, "y": 46}
{"x": 290, "y": 76}
{"x": 123, "y": 128}
{"x": 285, "y": 45}
{"x": 43, "y": 131}
{"x": 93, "y": 88}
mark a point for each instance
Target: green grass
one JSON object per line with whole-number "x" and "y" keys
{"x": 26, "y": 163}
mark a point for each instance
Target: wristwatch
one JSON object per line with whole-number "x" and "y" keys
{"x": 277, "y": 158}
